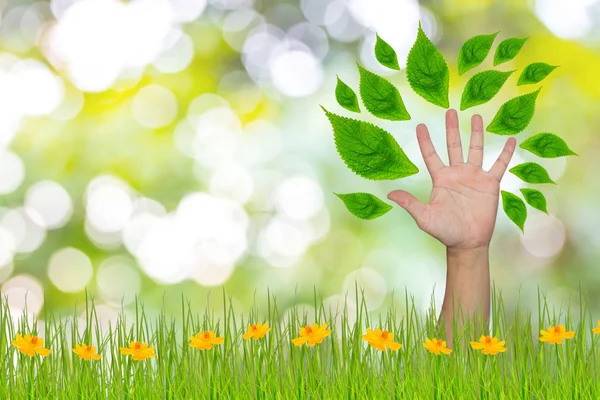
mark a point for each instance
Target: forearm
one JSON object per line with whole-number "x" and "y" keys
{"x": 467, "y": 283}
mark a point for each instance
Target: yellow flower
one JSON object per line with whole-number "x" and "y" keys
{"x": 312, "y": 334}
{"x": 86, "y": 352}
{"x": 381, "y": 340}
{"x": 204, "y": 341}
{"x": 139, "y": 351}
{"x": 489, "y": 345}
{"x": 31, "y": 345}
{"x": 257, "y": 331}
{"x": 436, "y": 346}
{"x": 556, "y": 334}
{"x": 597, "y": 330}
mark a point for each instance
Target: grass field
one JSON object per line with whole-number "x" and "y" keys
{"x": 341, "y": 366}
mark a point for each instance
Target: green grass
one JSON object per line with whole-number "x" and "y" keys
{"x": 342, "y": 366}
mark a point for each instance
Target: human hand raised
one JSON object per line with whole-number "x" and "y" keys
{"x": 464, "y": 200}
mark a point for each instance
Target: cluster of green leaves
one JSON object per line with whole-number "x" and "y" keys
{"x": 373, "y": 153}
{"x": 512, "y": 117}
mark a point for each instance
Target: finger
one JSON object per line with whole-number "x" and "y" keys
{"x": 476, "y": 147}
{"x": 499, "y": 167}
{"x": 412, "y": 205}
{"x": 430, "y": 156}
{"x": 455, "y": 155}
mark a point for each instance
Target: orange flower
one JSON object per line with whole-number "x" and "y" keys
{"x": 312, "y": 334}
{"x": 556, "y": 334}
{"x": 31, "y": 345}
{"x": 204, "y": 341}
{"x": 139, "y": 351}
{"x": 86, "y": 352}
{"x": 597, "y": 330}
{"x": 381, "y": 340}
{"x": 489, "y": 345}
{"x": 257, "y": 331}
{"x": 436, "y": 346}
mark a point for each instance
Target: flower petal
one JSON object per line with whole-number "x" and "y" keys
{"x": 43, "y": 352}
{"x": 393, "y": 345}
{"x": 568, "y": 335}
{"x": 300, "y": 340}
{"x": 477, "y": 345}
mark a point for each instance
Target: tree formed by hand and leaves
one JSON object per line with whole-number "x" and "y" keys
{"x": 373, "y": 153}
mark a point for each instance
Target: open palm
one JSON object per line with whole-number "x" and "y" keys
{"x": 464, "y": 200}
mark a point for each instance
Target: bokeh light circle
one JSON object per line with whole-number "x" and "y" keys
{"x": 544, "y": 235}
{"x": 177, "y": 54}
{"x": 366, "y": 283}
{"x": 7, "y": 247}
{"x": 296, "y": 73}
{"x": 154, "y": 106}
{"x": 118, "y": 280}
{"x": 24, "y": 294}
{"x": 12, "y": 172}
{"x": 70, "y": 270}
{"x": 299, "y": 197}
{"x": 25, "y": 228}
{"x": 109, "y": 204}
{"x": 187, "y": 10}
{"x": 50, "y": 203}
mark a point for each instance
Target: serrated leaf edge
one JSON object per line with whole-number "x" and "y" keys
{"x": 526, "y": 214}
{"x": 375, "y": 126}
{"x": 360, "y": 86}
{"x": 548, "y": 158}
{"x": 537, "y": 92}
{"x": 495, "y": 34}
{"x": 370, "y": 194}
{"x": 524, "y": 41}
{"x": 410, "y": 83}
{"x": 541, "y": 166}
{"x": 527, "y": 201}
{"x": 395, "y": 67}
{"x": 479, "y": 73}
{"x": 519, "y": 83}
{"x": 358, "y": 111}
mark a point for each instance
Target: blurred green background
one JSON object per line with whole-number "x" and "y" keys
{"x": 155, "y": 148}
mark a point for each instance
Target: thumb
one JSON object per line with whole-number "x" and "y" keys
{"x": 411, "y": 204}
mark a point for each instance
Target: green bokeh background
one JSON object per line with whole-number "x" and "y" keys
{"x": 559, "y": 253}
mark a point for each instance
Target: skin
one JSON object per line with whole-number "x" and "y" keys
{"x": 461, "y": 214}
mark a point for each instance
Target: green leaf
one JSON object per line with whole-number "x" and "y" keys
{"x": 535, "y": 199}
{"x": 531, "y": 173}
{"x": 547, "y": 145}
{"x": 385, "y": 54}
{"x": 508, "y": 49}
{"x": 514, "y": 115}
{"x": 346, "y": 97}
{"x": 474, "y": 51}
{"x": 515, "y": 209}
{"x": 381, "y": 98}
{"x": 427, "y": 72}
{"x": 364, "y": 205}
{"x": 535, "y": 73}
{"x": 368, "y": 150}
{"x": 482, "y": 87}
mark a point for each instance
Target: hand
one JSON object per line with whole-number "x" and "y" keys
{"x": 464, "y": 201}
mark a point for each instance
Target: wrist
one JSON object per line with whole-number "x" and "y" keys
{"x": 463, "y": 251}
{"x": 472, "y": 257}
